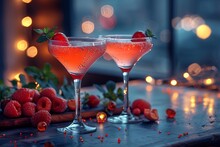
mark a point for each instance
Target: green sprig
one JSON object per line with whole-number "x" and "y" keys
{"x": 45, "y": 34}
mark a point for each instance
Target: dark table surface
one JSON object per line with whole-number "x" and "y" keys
{"x": 198, "y": 115}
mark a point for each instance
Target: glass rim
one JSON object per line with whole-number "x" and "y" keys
{"x": 125, "y": 37}
{"x": 80, "y": 39}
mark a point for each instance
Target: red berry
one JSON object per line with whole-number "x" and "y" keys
{"x": 71, "y": 104}
{"x": 59, "y": 105}
{"x": 141, "y": 104}
{"x": 40, "y": 116}
{"x": 138, "y": 36}
{"x": 28, "y": 109}
{"x": 170, "y": 113}
{"x": 44, "y": 103}
{"x": 151, "y": 115}
{"x": 93, "y": 101}
{"x": 12, "y": 109}
{"x": 136, "y": 111}
{"x": 111, "y": 105}
{"x": 23, "y": 95}
{"x": 42, "y": 126}
{"x": 48, "y": 92}
{"x": 36, "y": 95}
{"x": 61, "y": 39}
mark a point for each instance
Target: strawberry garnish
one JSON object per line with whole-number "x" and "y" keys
{"x": 141, "y": 36}
{"x": 49, "y": 34}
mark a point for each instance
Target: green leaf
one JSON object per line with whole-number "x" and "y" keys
{"x": 14, "y": 83}
{"x": 120, "y": 94}
{"x": 42, "y": 38}
{"x": 22, "y": 79}
{"x": 33, "y": 71}
{"x": 46, "y": 68}
{"x": 100, "y": 88}
{"x": 39, "y": 31}
{"x": 110, "y": 85}
{"x": 50, "y": 34}
{"x": 30, "y": 85}
{"x": 149, "y": 33}
{"x": 45, "y": 30}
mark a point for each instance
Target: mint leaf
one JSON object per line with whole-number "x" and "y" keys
{"x": 110, "y": 85}
{"x": 39, "y": 31}
{"x": 42, "y": 38}
{"x": 22, "y": 79}
{"x": 45, "y": 30}
{"x": 149, "y": 33}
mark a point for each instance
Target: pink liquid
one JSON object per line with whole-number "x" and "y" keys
{"x": 77, "y": 59}
{"x": 126, "y": 54}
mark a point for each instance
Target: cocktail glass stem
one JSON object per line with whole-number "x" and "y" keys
{"x": 77, "y": 86}
{"x": 126, "y": 108}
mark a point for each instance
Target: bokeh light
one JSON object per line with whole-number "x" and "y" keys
{"x": 194, "y": 69}
{"x": 203, "y": 31}
{"x": 208, "y": 81}
{"x": 150, "y": 80}
{"x": 173, "y": 82}
{"x": 22, "y": 45}
{"x": 26, "y": 1}
{"x": 186, "y": 75}
{"x": 107, "y": 11}
{"x": 32, "y": 52}
{"x": 26, "y": 21}
{"x": 88, "y": 27}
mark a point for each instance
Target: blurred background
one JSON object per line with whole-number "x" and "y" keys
{"x": 187, "y": 47}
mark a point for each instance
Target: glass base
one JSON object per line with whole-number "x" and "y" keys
{"x": 77, "y": 128}
{"x": 124, "y": 118}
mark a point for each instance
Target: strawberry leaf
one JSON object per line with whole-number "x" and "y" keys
{"x": 45, "y": 30}
{"x": 149, "y": 33}
{"x": 42, "y": 38}
{"x": 39, "y": 31}
{"x": 22, "y": 79}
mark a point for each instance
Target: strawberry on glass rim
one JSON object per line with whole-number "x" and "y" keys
{"x": 141, "y": 35}
{"x": 49, "y": 34}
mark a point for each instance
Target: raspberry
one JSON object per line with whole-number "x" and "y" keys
{"x": 170, "y": 113}
{"x": 28, "y": 109}
{"x": 36, "y": 96}
{"x": 141, "y": 104}
{"x": 71, "y": 104}
{"x": 12, "y": 109}
{"x": 93, "y": 101}
{"x": 111, "y": 105}
{"x": 48, "y": 92}
{"x": 22, "y": 95}
{"x": 59, "y": 105}
{"x": 40, "y": 116}
{"x": 136, "y": 111}
{"x": 44, "y": 103}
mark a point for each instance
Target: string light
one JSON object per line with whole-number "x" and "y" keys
{"x": 32, "y": 52}
{"x": 26, "y": 1}
{"x": 26, "y": 21}
{"x": 88, "y": 27}
{"x": 22, "y": 45}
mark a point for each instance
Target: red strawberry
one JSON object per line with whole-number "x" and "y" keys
{"x": 141, "y": 104}
{"x": 48, "y": 92}
{"x": 12, "y": 109}
{"x": 136, "y": 111}
{"x": 151, "y": 115}
{"x": 44, "y": 103}
{"x": 59, "y": 105}
{"x": 4, "y": 103}
{"x": 138, "y": 36}
{"x": 36, "y": 95}
{"x": 93, "y": 101}
{"x": 28, "y": 109}
{"x": 42, "y": 115}
{"x": 61, "y": 39}
{"x": 111, "y": 105}
{"x": 23, "y": 95}
{"x": 170, "y": 113}
{"x": 71, "y": 104}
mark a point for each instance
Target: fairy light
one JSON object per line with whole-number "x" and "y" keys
{"x": 203, "y": 31}
{"x": 107, "y": 11}
{"x": 186, "y": 75}
{"x": 32, "y": 52}
{"x": 26, "y": 1}
{"x": 26, "y": 21}
{"x": 88, "y": 27}
{"x": 208, "y": 81}
{"x": 22, "y": 45}
{"x": 150, "y": 80}
{"x": 173, "y": 82}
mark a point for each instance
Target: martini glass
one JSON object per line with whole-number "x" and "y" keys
{"x": 126, "y": 52}
{"x": 77, "y": 56}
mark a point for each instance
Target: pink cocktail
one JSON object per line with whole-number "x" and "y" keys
{"x": 77, "y": 57}
{"x": 126, "y": 52}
